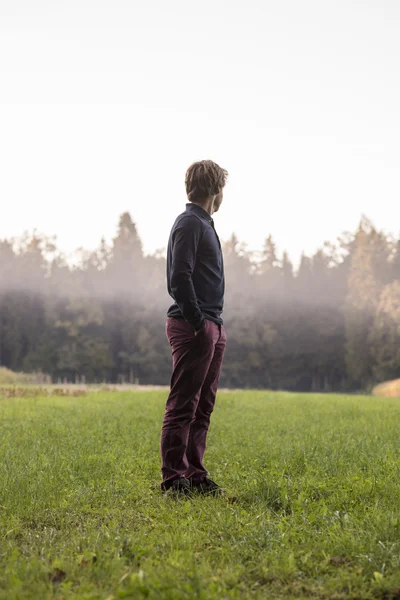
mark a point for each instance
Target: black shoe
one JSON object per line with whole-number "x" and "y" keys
{"x": 178, "y": 486}
{"x": 206, "y": 486}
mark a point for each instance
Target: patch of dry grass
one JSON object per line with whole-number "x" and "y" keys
{"x": 388, "y": 389}
{"x": 35, "y": 392}
{"x": 8, "y": 377}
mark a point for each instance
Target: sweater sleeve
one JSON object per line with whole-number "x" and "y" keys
{"x": 185, "y": 242}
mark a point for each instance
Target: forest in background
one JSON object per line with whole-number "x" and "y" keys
{"x": 333, "y": 324}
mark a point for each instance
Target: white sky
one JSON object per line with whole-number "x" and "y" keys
{"x": 105, "y": 103}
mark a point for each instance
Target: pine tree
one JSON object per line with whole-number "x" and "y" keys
{"x": 395, "y": 264}
{"x": 287, "y": 276}
{"x": 269, "y": 260}
{"x": 364, "y": 288}
{"x": 320, "y": 278}
{"x": 304, "y": 279}
{"x": 127, "y": 245}
{"x": 385, "y": 335}
{"x": 126, "y": 263}
{"x": 270, "y": 273}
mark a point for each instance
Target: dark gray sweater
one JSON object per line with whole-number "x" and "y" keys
{"x": 195, "y": 268}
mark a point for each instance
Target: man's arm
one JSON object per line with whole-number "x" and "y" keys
{"x": 185, "y": 242}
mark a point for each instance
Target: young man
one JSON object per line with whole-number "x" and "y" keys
{"x": 195, "y": 277}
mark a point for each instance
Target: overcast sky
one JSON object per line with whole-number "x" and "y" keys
{"x": 105, "y": 103}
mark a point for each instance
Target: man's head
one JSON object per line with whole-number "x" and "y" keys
{"x": 205, "y": 181}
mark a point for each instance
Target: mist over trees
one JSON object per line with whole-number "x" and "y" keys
{"x": 332, "y": 324}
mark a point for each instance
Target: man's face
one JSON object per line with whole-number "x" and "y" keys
{"x": 218, "y": 201}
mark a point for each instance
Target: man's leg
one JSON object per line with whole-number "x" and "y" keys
{"x": 199, "y": 427}
{"x": 191, "y": 356}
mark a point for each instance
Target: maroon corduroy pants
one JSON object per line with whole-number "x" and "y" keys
{"x": 196, "y": 366}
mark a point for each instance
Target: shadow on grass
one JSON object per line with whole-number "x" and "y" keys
{"x": 268, "y": 494}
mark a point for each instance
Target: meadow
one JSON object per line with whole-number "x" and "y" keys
{"x": 311, "y": 510}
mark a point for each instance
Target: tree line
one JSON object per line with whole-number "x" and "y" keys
{"x": 332, "y": 324}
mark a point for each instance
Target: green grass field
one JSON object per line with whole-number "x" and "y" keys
{"x": 312, "y": 508}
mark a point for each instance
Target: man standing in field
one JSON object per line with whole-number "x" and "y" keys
{"x": 195, "y": 278}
